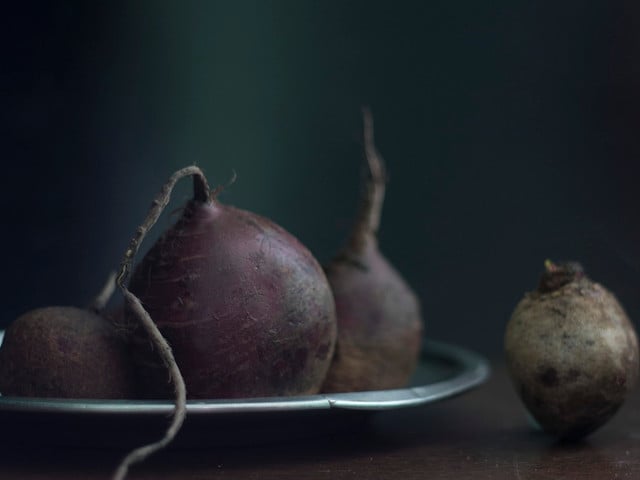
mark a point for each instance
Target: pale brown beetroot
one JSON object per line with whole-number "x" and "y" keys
{"x": 229, "y": 303}
{"x": 379, "y": 320}
{"x": 64, "y": 352}
{"x": 572, "y": 352}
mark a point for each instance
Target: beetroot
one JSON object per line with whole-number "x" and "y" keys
{"x": 379, "y": 318}
{"x": 571, "y": 351}
{"x": 246, "y": 308}
{"x": 65, "y": 352}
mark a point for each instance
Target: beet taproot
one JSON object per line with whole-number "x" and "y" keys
{"x": 571, "y": 351}
{"x": 380, "y": 324}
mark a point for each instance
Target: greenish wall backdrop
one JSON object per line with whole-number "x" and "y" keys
{"x": 508, "y": 128}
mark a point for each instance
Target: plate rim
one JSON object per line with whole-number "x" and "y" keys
{"x": 474, "y": 370}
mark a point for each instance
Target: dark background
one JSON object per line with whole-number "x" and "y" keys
{"x": 508, "y": 127}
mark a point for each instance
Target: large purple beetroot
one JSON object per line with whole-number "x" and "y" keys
{"x": 244, "y": 305}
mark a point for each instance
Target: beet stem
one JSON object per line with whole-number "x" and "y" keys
{"x": 157, "y": 207}
{"x": 201, "y": 192}
{"x": 101, "y": 300}
{"x": 372, "y": 199}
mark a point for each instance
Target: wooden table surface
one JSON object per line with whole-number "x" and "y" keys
{"x": 482, "y": 434}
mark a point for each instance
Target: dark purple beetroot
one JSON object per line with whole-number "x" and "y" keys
{"x": 64, "y": 352}
{"x": 245, "y": 307}
{"x": 379, "y": 319}
{"x": 571, "y": 351}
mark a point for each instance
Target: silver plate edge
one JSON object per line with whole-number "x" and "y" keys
{"x": 475, "y": 370}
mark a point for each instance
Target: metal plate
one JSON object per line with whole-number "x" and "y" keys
{"x": 444, "y": 371}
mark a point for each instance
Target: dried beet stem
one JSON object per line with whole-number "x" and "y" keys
{"x": 372, "y": 198}
{"x": 201, "y": 193}
{"x": 100, "y": 302}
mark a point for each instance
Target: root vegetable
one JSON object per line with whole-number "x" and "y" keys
{"x": 65, "y": 352}
{"x": 379, "y": 319}
{"x": 244, "y": 305}
{"x": 572, "y": 352}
